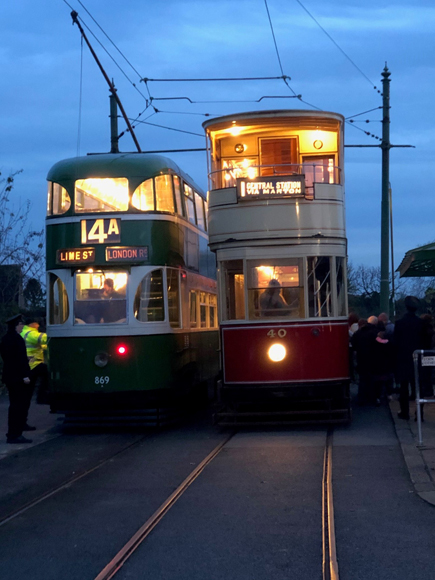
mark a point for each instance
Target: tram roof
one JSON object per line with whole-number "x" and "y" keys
{"x": 418, "y": 263}
{"x": 274, "y": 115}
{"x": 139, "y": 165}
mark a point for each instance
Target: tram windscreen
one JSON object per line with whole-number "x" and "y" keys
{"x": 275, "y": 289}
{"x": 100, "y": 297}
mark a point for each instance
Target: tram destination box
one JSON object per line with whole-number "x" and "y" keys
{"x": 271, "y": 186}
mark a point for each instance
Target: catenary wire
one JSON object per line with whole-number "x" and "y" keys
{"x": 169, "y": 128}
{"x": 337, "y": 45}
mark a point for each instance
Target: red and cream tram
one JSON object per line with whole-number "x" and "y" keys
{"x": 277, "y": 225}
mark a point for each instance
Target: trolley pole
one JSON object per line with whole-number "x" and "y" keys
{"x": 114, "y": 148}
{"x": 385, "y": 205}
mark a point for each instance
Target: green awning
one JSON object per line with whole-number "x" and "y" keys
{"x": 419, "y": 262}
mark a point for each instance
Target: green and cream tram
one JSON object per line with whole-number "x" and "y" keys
{"x": 132, "y": 307}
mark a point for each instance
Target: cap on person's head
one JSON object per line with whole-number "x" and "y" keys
{"x": 13, "y": 321}
{"x": 412, "y": 303}
{"x": 372, "y": 320}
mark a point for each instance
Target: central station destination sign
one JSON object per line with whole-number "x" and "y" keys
{"x": 273, "y": 186}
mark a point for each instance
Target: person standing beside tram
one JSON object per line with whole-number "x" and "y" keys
{"x": 408, "y": 337}
{"x": 16, "y": 376}
{"x": 36, "y": 346}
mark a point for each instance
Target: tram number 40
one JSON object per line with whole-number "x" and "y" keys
{"x": 281, "y": 333}
{"x": 102, "y": 381}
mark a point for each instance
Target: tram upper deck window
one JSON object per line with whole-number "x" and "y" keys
{"x": 149, "y": 301}
{"x": 190, "y": 203}
{"x": 320, "y": 169}
{"x": 58, "y": 199}
{"x": 100, "y": 297}
{"x": 58, "y": 305}
{"x": 319, "y": 286}
{"x": 101, "y": 195}
{"x": 199, "y": 204}
{"x": 279, "y": 156}
{"x": 234, "y": 283}
{"x": 178, "y": 196}
{"x": 143, "y": 196}
{"x": 275, "y": 289}
{"x": 164, "y": 193}
{"x": 234, "y": 169}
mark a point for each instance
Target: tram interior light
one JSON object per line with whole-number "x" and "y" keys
{"x": 277, "y": 352}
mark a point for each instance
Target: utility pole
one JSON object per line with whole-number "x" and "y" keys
{"x": 385, "y": 199}
{"x": 385, "y": 204}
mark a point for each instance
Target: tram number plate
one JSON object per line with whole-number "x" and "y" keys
{"x": 273, "y": 333}
{"x": 428, "y": 361}
{"x": 100, "y": 231}
{"x": 101, "y": 381}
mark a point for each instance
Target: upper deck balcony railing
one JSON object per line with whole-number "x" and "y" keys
{"x": 322, "y": 171}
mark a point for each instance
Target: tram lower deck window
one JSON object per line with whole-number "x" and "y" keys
{"x": 275, "y": 289}
{"x": 100, "y": 297}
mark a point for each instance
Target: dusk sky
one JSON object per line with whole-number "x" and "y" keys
{"x": 45, "y": 118}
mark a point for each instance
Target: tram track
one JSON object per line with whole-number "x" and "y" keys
{"x": 66, "y": 483}
{"x": 329, "y": 560}
{"x": 136, "y": 540}
{"x": 329, "y": 555}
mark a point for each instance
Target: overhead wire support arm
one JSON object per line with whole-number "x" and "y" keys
{"x": 74, "y": 16}
{"x": 146, "y": 80}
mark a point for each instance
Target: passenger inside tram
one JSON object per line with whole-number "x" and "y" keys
{"x": 271, "y": 300}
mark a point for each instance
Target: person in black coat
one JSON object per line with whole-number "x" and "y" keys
{"x": 363, "y": 343}
{"x": 16, "y": 373}
{"x": 407, "y": 338}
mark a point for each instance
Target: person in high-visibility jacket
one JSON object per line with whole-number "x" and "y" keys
{"x": 36, "y": 345}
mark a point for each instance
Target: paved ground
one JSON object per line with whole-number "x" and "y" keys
{"x": 420, "y": 459}
{"x": 47, "y": 425}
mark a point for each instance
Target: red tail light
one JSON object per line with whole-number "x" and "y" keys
{"x": 121, "y": 349}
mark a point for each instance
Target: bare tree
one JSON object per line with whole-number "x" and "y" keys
{"x": 20, "y": 245}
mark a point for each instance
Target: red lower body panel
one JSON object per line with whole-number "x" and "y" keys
{"x": 314, "y": 352}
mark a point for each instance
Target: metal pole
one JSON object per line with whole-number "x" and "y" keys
{"x": 417, "y": 394}
{"x": 114, "y": 148}
{"x": 393, "y": 284}
{"x": 385, "y": 146}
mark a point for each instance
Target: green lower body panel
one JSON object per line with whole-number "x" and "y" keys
{"x": 129, "y": 372}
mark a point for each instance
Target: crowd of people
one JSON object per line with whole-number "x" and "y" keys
{"x": 381, "y": 356}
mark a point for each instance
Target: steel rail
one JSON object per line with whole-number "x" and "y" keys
{"x": 66, "y": 484}
{"x": 329, "y": 560}
{"x": 136, "y": 540}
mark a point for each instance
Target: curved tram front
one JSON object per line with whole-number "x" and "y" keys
{"x": 132, "y": 305}
{"x": 277, "y": 225}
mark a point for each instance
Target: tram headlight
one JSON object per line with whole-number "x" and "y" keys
{"x": 277, "y": 352}
{"x": 101, "y": 359}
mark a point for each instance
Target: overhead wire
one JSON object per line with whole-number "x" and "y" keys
{"x": 337, "y": 45}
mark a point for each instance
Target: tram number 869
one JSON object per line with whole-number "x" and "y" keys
{"x": 281, "y": 333}
{"x": 102, "y": 380}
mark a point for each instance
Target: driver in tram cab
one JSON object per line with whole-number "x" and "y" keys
{"x": 109, "y": 292}
{"x": 271, "y": 301}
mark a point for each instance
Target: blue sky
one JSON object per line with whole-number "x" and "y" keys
{"x": 40, "y": 60}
